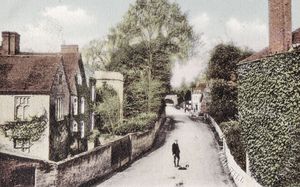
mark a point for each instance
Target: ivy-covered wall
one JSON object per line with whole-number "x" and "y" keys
{"x": 269, "y": 107}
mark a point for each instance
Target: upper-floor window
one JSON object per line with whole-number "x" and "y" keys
{"x": 93, "y": 93}
{"x": 82, "y": 129}
{"x": 92, "y": 121}
{"x": 79, "y": 79}
{"x": 59, "y": 108}
{"x": 22, "y": 107}
{"x": 75, "y": 105}
{"x": 82, "y": 107}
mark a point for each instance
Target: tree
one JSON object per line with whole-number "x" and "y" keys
{"x": 222, "y": 72}
{"x": 107, "y": 108}
{"x": 223, "y": 61}
{"x": 96, "y": 54}
{"x": 158, "y": 31}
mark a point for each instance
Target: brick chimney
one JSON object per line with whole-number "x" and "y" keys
{"x": 10, "y": 43}
{"x": 280, "y": 25}
{"x": 69, "y": 49}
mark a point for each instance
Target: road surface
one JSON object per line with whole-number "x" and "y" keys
{"x": 198, "y": 150}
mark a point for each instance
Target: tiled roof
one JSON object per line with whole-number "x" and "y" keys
{"x": 265, "y": 52}
{"x": 258, "y": 55}
{"x": 72, "y": 64}
{"x": 28, "y": 73}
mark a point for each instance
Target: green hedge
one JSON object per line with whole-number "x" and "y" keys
{"x": 269, "y": 106}
{"x": 232, "y": 132}
{"x": 139, "y": 123}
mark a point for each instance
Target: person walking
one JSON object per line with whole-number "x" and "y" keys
{"x": 176, "y": 153}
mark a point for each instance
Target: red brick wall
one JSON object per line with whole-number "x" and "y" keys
{"x": 280, "y": 25}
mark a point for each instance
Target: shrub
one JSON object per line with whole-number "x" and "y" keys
{"x": 141, "y": 122}
{"x": 224, "y": 101}
{"x": 232, "y": 132}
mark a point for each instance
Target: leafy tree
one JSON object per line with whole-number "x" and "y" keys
{"x": 96, "y": 54}
{"x": 107, "y": 108}
{"x": 156, "y": 31}
{"x": 223, "y": 61}
{"x": 222, "y": 72}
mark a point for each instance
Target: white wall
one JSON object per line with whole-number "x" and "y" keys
{"x": 196, "y": 101}
{"x": 37, "y": 105}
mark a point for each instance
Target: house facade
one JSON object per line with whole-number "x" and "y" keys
{"x": 48, "y": 85}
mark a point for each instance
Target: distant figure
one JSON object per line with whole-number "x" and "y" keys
{"x": 176, "y": 152}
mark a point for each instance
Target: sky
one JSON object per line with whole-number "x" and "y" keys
{"x": 46, "y": 24}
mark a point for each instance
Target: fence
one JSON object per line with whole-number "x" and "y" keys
{"x": 240, "y": 177}
{"x": 80, "y": 169}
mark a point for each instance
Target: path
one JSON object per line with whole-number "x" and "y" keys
{"x": 198, "y": 149}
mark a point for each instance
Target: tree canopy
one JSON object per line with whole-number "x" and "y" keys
{"x": 142, "y": 47}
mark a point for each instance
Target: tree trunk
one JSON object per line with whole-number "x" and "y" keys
{"x": 149, "y": 84}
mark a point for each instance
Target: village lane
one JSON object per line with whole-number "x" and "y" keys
{"x": 198, "y": 150}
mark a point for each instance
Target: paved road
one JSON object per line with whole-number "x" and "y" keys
{"x": 156, "y": 169}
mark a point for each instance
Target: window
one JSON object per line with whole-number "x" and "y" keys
{"x": 82, "y": 105}
{"x": 92, "y": 121}
{"x": 59, "y": 108}
{"x": 75, "y": 126}
{"x": 93, "y": 93}
{"x": 23, "y": 144}
{"x": 79, "y": 79}
{"x": 22, "y": 107}
{"x": 82, "y": 129}
{"x": 75, "y": 105}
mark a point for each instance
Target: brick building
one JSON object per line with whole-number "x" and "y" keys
{"x": 281, "y": 37}
{"x": 49, "y": 84}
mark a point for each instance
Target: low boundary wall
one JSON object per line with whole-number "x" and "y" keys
{"x": 240, "y": 177}
{"x": 81, "y": 168}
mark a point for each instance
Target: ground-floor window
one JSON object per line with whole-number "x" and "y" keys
{"x": 21, "y": 143}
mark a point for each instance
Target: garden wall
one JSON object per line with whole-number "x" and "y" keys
{"x": 269, "y": 108}
{"x": 84, "y": 167}
{"x": 79, "y": 169}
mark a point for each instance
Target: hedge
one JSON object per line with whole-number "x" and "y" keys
{"x": 269, "y": 107}
{"x": 139, "y": 123}
{"x": 232, "y": 132}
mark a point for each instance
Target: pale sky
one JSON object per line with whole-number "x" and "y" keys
{"x": 45, "y": 24}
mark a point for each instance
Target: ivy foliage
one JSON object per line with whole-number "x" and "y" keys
{"x": 232, "y": 132}
{"x": 269, "y": 106}
{"x": 31, "y": 130}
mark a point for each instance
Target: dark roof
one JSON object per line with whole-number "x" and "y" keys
{"x": 28, "y": 73}
{"x": 73, "y": 66}
{"x": 265, "y": 52}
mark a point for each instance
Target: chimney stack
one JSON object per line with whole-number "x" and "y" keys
{"x": 10, "y": 43}
{"x": 69, "y": 49}
{"x": 280, "y": 25}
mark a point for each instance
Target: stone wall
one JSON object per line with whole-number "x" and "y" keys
{"x": 94, "y": 164}
{"x": 22, "y": 170}
{"x": 141, "y": 142}
{"x": 82, "y": 168}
